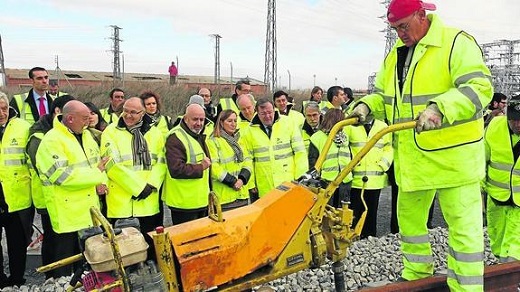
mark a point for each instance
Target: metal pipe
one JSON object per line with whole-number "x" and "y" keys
{"x": 339, "y": 277}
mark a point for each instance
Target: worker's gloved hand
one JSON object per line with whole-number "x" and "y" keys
{"x": 361, "y": 111}
{"x": 147, "y": 191}
{"x": 429, "y": 119}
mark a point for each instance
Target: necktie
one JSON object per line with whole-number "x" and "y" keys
{"x": 41, "y": 108}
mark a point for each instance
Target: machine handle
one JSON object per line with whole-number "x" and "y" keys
{"x": 337, "y": 127}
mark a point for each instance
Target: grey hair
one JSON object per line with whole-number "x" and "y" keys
{"x": 250, "y": 96}
{"x": 4, "y": 97}
{"x": 312, "y": 105}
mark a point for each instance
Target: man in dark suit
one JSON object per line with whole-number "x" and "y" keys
{"x": 31, "y": 105}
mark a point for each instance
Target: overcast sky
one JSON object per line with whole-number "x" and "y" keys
{"x": 327, "y": 38}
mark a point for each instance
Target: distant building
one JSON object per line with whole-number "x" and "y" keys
{"x": 19, "y": 78}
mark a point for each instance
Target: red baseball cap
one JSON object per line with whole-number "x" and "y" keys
{"x": 399, "y": 9}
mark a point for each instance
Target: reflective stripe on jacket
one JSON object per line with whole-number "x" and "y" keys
{"x": 189, "y": 193}
{"x": 223, "y": 162}
{"x": 279, "y": 158}
{"x": 337, "y": 158}
{"x": 127, "y": 180}
{"x": 447, "y": 68}
{"x": 69, "y": 176}
{"x": 503, "y": 173}
{"x": 14, "y": 173}
{"x": 376, "y": 162}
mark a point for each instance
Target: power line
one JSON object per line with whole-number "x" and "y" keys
{"x": 217, "y": 62}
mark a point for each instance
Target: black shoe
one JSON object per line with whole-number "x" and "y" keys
{"x": 401, "y": 279}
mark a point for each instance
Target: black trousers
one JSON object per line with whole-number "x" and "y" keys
{"x": 48, "y": 243}
{"x": 341, "y": 194}
{"x": 184, "y": 215}
{"x": 66, "y": 245}
{"x": 372, "y": 200}
{"x": 16, "y": 240}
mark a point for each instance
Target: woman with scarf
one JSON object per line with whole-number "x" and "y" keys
{"x": 337, "y": 158}
{"x": 231, "y": 165}
{"x": 152, "y": 104}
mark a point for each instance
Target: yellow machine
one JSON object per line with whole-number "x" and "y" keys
{"x": 289, "y": 229}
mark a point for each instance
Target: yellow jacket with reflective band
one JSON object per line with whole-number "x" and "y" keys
{"x": 24, "y": 108}
{"x": 229, "y": 103}
{"x": 376, "y": 162}
{"x": 127, "y": 180}
{"x": 448, "y": 69}
{"x": 297, "y": 118}
{"x": 279, "y": 158}
{"x": 223, "y": 162}
{"x": 69, "y": 176}
{"x": 503, "y": 173}
{"x": 337, "y": 158}
{"x": 14, "y": 171}
{"x": 162, "y": 125}
{"x": 36, "y": 183}
{"x": 108, "y": 117}
{"x": 189, "y": 193}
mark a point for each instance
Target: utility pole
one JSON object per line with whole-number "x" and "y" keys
{"x": 231, "y": 65}
{"x": 289, "y": 72}
{"x": 217, "y": 62}
{"x": 58, "y": 71}
{"x": 115, "y": 49}
{"x": 3, "y": 81}
{"x": 270, "y": 72}
{"x": 314, "y": 76}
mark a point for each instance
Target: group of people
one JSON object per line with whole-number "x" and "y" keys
{"x": 63, "y": 156}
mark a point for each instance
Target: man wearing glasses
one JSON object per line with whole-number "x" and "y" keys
{"x": 136, "y": 171}
{"x": 435, "y": 75}
{"x": 32, "y": 105}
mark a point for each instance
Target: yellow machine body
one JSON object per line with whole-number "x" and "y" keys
{"x": 213, "y": 253}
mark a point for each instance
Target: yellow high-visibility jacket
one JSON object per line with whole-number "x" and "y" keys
{"x": 503, "y": 173}
{"x": 279, "y": 158}
{"x": 127, "y": 179}
{"x": 14, "y": 171}
{"x": 376, "y": 162}
{"x": 336, "y": 159}
{"x": 224, "y": 166}
{"x": 69, "y": 175}
{"x": 447, "y": 68}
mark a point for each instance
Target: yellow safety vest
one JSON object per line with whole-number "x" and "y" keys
{"x": 503, "y": 173}
{"x": 69, "y": 176}
{"x": 14, "y": 173}
{"x": 337, "y": 158}
{"x": 228, "y": 103}
{"x": 127, "y": 180}
{"x": 223, "y": 162}
{"x": 108, "y": 117}
{"x": 376, "y": 162}
{"x": 189, "y": 193}
{"x": 279, "y": 158}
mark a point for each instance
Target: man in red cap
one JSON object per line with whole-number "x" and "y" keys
{"x": 436, "y": 76}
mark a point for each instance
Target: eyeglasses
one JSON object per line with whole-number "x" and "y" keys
{"x": 133, "y": 113}
{"x": 403, "y": 27}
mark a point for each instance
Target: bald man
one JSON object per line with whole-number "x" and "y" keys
{"x": 72, "y": 172}
{"x": 187, "y": 182}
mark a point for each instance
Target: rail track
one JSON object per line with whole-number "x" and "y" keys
{"x": 501, "y": 277}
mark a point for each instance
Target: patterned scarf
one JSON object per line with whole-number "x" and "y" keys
{"x": 140, "y": 152}
{"x": 340, "y": 138}
{"x": 233, "y": 142}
